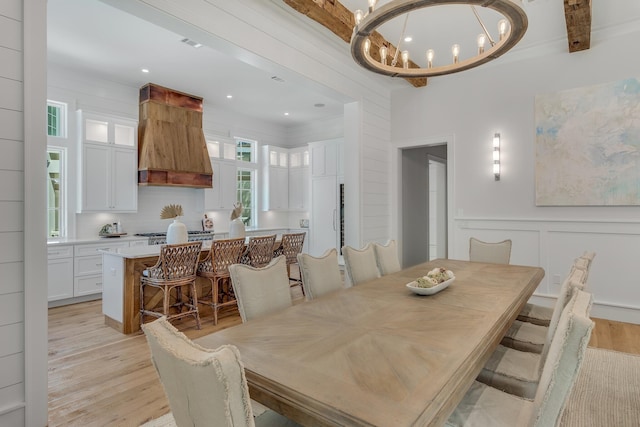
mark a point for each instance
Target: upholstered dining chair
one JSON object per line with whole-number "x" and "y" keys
{"x": 261, "y": 291}
{"x": 519, "y": 372}
{"x": 320, "y": 275}
{"x": 494, "y": 253}
{"x": 215, "y": 267}
{"x": 360, "y": 264}
{"x": 484, "y": 405}
{"x": 205, "y": 387}
{"x": 176, "y": 267}
{"x": 260, "y": 250}
{"x": 541, "y": 315}
{"x": 387, "y": 257}
{"x": 290, "y": 246}
{"x": 530, "y": 337}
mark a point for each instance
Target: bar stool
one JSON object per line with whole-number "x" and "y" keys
{"x": 260, "y": 250}
{"x": 290, "y": 247}
{"x": 215, "y": 267}
{"x": 176, "y": 267}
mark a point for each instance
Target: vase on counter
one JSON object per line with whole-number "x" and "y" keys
{"x": 177, "y": 233}
{"x": 236, "y": 229}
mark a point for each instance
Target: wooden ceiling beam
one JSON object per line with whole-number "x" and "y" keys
{"x": 577, "y": 14}
{"x": 338, "y": 19}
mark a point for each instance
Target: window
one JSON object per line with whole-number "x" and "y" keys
{"x": 55, "y": 192}
{"x": 56, "y": 119}
{"x": 56, "y": 168}
{"x": 246, "y": 182}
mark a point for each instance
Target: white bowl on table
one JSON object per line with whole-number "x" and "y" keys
{"x": 413, "y": 286}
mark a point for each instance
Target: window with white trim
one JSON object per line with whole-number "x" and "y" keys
{"x": 56, "y": 169}
{"x": 246, "y": 180}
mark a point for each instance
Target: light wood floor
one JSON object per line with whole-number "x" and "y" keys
{"x": 99, "y": 377}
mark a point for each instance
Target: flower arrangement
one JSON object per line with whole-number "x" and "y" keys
{"x": 237, "y": 211}
{"x": 171, "y": 211}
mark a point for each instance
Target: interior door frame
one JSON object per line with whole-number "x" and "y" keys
{"x": 396, "y": 183}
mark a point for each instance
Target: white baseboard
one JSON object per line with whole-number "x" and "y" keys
{"x": 599, "y": 310}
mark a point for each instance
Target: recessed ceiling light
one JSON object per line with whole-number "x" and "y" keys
{"x": 191, "y": 43}
{"x": 408, "y": 39}
{"x": 318, "y": 105}
{"x": 229, "y": 96}
{"x": 145, "y": 70}
{"x": 286, "y": 114}
{"x": 277, "y": 79}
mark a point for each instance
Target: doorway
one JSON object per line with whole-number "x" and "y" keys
{"x": 424, "y": 204}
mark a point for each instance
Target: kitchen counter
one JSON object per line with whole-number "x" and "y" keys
{"x": 96, "y": 239}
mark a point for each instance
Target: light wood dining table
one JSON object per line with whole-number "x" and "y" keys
{"x": 377, "y": 354}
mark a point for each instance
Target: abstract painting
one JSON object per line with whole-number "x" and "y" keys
{"x": 588, "y": 146}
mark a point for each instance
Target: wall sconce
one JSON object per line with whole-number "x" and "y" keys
{"x": 496, "y": 156}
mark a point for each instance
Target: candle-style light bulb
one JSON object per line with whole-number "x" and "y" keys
{"x": 430, "y": 55}
{"x": 367, "y": 46}
{"x": 383, "y": 55}
{"x": 405, "y": 59}
{"x": 455, "y": 50}
{"x": 503, "y": 25}
{"x": 372, "y": 5}
{"x": 358, "y": 15}
{"x": 482, "y": 38}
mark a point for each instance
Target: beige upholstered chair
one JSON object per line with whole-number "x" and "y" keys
{"x": 541, "y": 315}
{"x": 290, "y": 246}
{"x": 527, "y": 336}
{"x": 215, "y": 267}
{"x": 494, "y": 253}
{"x": 175, "y": 268}
{"x": 261, "y": 291}
{"x": 360, "y": 264}
{"x": 518, "y": 372}
{"x": 320, "y": 275}
{"x": 260, "y": 250}
{"x": 387, "y": 257}
{"x": 487, "y": 406}
{"x": 204, "y": 387}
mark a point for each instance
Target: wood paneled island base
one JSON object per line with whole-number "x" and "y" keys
{"x": 377, "y": 354}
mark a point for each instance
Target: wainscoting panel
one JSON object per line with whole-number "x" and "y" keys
{"x": 554, "y": 245}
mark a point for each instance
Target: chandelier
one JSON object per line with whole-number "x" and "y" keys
{"x": 394, "y": 61}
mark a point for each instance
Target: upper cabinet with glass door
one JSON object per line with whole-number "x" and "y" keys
{"x": 109, "y": 163}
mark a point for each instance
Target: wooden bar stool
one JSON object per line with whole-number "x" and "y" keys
{"x": 260, "y": 250}
{"x": 176, "y": 267}
{"x": 215, "y": 267}
{"x": 290, "y": 247}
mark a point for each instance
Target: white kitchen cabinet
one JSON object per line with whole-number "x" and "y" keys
{"x": 60, "y": 272}
{"x": 275, "y": 178}
{"x": 299, "y": 188}
{"x": 223, "y": 192}
{"x": 87, "y": 278}
{"x": 109, "y": 164}
{"x": 325, "y": 157}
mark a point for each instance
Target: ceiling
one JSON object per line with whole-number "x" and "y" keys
{"x": 93, "y": 37}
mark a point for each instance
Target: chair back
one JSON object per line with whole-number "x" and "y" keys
{"x": 291, "y": 246}
{"x": 260, "y": 250}
{"x": 320, "y": 275}
{"x": 563, "y": 362}
{"x": 493, "y": 253}
{"x": 360, "y": 264}
{"x": 204, "y": 387}
{"x": 175, "y": 262}
{"x": 261, "y": 291}
{"x": 223, "y": 253}
{"x": 387, "y": 257}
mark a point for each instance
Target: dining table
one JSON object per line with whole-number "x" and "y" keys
{"x": 377, "y": 354}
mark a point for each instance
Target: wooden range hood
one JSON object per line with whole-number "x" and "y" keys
{"x": 172, "y": 150}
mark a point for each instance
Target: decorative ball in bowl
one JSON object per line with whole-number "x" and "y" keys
{"x": 436, "y": 280}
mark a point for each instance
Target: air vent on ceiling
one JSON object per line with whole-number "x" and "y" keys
{"x": 191, "y": 43}
{"x": 277, "y": 79}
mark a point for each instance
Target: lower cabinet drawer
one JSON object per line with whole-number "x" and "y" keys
{"x": 88, "y": 265}
{"x": 87, "y": 285}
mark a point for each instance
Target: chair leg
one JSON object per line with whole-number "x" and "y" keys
{"x": 194, "y": 297}
{"x": 215, "y": 294}
{"x": 141, "y": 304}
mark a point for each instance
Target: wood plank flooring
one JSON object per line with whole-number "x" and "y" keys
{"x": 99, "y": 377}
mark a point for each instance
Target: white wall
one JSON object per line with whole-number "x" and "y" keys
{"x": 499, "y": 97}
{"x": 23, "y": 354}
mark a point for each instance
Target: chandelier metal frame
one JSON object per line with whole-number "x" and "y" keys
{"x": 511, "y": 10}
